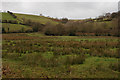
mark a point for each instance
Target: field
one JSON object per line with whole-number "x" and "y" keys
{"x": 43, "y": 47}
{"x": 6, "y": 16}
{"x": 15, "y": 28}
{"x": 35, "y": 18}
{"x": 42, "y": 56}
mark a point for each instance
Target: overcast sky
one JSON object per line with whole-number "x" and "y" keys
{"x": 72, "y": 9}
{"x": 60, "y": 0}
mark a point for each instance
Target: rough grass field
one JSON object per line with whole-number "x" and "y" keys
{"x": 32, "y": 55}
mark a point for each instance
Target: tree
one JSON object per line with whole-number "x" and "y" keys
{"x": 49, "y": 29}
{"x": 41, "y": 15}
{"x": 8, "y": 29}
{"x": 28, "y": 22}
{"x": 114, "y": 15}
{"x": 64, "y": 20}
{"x": 59, "y": 29}
{"x": 107, "y": 15}
{"x": 36, "y": 26}
{"x": 3, "y": 30}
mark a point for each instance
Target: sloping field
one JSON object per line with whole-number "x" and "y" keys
{"x": 35, "y": 18}
{"x": 7, "y": 16}
{"x": 16, "y": 27}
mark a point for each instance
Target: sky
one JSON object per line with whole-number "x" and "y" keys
{"x": 72, "y": 9}
{"x": 60, "y": 0}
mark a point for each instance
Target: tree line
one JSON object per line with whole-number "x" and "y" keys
{"x": 82, "y": 29}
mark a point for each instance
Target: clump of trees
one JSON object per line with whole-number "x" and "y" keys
{"x": 36, "y": 26}
{"x": 64, "y": 20}
{"x": 53, "y": 30}
{"x": 82, "y": 29}
{"x": 95, "y": 27}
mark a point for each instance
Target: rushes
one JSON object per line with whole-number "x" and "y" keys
{"x": 30, "y": 49}
{"x": 93, "y": 48}
{"x": 75, "y": 59}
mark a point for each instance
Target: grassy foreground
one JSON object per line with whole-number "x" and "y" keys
{"x": 32, "y": 55}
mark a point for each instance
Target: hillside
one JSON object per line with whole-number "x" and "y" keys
{"x": 35, "y": 18}
{"x": 16, "y": 22}
{"x": 14, "y": 28}
{"x": 11, "y": 24}
{"x": 101, "y": 26}
{"x": 7, "y": 16}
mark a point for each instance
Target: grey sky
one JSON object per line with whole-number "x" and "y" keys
{"x": 60, "y": 0}
{"x": 71, "y": 10}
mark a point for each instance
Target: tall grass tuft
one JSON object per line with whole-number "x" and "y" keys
{"x": 75, "y": 59}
